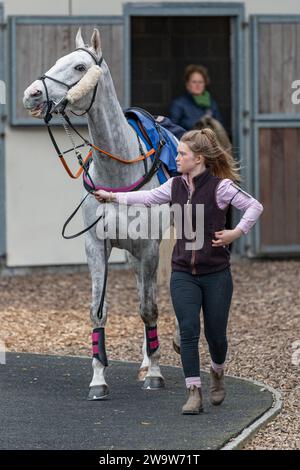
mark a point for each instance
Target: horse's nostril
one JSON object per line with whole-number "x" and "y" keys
{"x": 36, "y": 93}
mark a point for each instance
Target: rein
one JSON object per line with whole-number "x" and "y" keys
{"x": 50, "y": 109}
{"x": 85, "y": 162}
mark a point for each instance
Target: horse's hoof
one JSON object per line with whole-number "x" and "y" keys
{"x": 176, "y": 347}
{"x": 142, "y": 373}
{"x": 153, "y": 383}
{"x": 98, "y": 392}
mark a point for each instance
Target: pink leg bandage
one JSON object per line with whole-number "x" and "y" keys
{"x": 98, "y": 345}
{"x": 152, "y": 339}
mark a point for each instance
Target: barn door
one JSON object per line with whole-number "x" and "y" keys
{"x": 275, "y": 149}
{"x": 2, "y": 113}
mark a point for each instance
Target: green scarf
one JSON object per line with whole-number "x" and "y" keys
{"x": 203, "y": 100}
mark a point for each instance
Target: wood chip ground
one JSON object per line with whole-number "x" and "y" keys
{"x": 49, "y": 313}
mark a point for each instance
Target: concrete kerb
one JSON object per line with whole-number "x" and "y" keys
{"x": 240, "y": 440}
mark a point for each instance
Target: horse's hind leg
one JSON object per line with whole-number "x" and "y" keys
{"x": 146, "y": 275}
{"x": 176, "y": 337}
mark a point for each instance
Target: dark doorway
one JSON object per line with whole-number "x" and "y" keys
{"x": 2, "y": 125}
{"x": 161, "y": 48}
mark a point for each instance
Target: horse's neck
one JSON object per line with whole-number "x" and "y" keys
{"x": 110, "y": 131}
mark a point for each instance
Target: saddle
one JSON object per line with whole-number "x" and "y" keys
{"x": 160, "y": 136}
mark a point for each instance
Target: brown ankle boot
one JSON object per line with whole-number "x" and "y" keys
{"x": 217, "y": 387}
{"x": 194, "y": 404}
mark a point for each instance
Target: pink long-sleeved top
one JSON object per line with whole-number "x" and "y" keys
{"x": 225, "y": 193}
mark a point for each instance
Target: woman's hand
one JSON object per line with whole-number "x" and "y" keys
{"x": 103, "y": 196}
{"x": 225, "y": 237}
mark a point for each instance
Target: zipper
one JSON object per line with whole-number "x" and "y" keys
{"x": 190, "y": 194}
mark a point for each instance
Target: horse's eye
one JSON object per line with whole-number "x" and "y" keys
{"x": 80, "y": 68}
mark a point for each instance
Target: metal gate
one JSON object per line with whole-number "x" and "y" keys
{"x": 275, "y": 42}
{"x": 2, "y": 114}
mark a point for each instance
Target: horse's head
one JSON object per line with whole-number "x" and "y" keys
{"x": 58, "y": 89}
{"x": 205, "y": 121}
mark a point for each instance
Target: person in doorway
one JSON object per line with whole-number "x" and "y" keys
{"x": 201, "y": 278}
{"x": 196, "y": 102}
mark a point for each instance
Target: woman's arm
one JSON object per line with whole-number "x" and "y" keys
{"x": 230, "y": 193}
{"x": 159, "y": 195}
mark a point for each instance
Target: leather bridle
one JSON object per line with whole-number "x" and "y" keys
{"x": 84, "y": 163}
{"x": 64, "y": 101}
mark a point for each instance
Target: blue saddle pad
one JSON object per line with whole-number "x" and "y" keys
{"x": 155, "y": 132}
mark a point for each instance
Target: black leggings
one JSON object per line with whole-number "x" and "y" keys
{"x": 212, "y": 292}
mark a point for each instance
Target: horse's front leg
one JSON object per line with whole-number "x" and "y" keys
{"x": 96, "y": 261}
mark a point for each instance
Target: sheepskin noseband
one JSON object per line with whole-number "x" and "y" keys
{"x": 85, "y": 85}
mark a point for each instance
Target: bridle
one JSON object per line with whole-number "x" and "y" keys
{"x": 59, "y": 108}
{"x": 84, "y": 163}
{"x": 64, "y": 101}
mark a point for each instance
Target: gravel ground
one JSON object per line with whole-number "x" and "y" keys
{"x": 49, "y": 313}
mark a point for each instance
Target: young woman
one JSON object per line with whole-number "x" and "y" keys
{"x": 201, "y": 277}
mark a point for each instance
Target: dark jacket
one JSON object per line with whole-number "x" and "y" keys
{"x": 185, "y": 112}
{"x": 207, "y": 259}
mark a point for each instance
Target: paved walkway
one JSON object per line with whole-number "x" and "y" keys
{"x": 43, "y": 406}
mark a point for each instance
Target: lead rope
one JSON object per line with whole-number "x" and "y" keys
{"x": 69, "y": 134}
{"x": 79, "y": 158}
{"x": 77, "y": 153}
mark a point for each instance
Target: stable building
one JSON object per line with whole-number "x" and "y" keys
{"x": 252, "y": 52}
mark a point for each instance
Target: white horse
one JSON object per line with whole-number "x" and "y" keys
{"x": 108, "y": 130}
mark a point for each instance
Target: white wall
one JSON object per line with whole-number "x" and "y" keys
{"x": 35, "y": 7}
{"x": 39, "y": 194}
{"x": 114, "y": 7}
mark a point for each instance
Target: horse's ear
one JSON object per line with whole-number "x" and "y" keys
{"x": 79, "y": 41}
{"x": 96, "y": 42}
